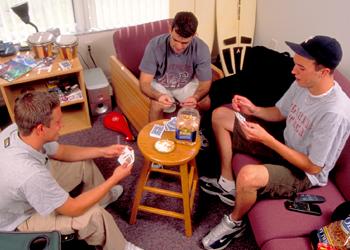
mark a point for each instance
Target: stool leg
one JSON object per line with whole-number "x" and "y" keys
{"x": 186, "y": 199}
{"x": 193, "y": 182}
{"x": 139, "y": 189}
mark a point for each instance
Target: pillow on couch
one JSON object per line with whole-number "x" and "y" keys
{"x": 265, "y": 77}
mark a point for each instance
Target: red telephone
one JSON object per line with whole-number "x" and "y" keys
{"x": 117, "y": 122}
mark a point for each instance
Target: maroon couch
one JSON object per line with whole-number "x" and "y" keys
{"x": 277, "y": 228}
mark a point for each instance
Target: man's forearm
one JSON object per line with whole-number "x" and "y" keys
{"x": 202, "y": 90}
{"x": 294, "y": 157}
{"x": 271, "y": 114}
{"x": 72, "y": 153}
{"x": 148, "y": 91}
{"x": 77, "y": 206}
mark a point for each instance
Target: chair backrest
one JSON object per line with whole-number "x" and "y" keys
{"x": 130, "y": 42}
{"x": 342, "y": 170}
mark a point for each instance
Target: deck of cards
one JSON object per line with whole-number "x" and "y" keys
{"x": 128, "y": 156}
{"x": 240, "y": 117}
{"x": 157, "y": 130}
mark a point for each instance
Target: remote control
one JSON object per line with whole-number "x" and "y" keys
{"x": 303, "y": 207}
{"x": 310, "y": 198}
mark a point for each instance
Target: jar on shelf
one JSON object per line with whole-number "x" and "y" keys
{"x": 187, "y": 126}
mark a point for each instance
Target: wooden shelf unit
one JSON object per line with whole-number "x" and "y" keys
{"x": 76, "y": 115}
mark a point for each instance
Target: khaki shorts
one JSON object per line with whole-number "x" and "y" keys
{"x": 179, "y": 94}
{"x": 285, "y": 180}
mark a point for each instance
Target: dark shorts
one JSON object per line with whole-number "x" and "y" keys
{"x": 284, "y": 179}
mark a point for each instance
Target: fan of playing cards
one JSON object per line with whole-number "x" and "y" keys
{"x": 128, "y": 156}
{"x": 170, "y": 125}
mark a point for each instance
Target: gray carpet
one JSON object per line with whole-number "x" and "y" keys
{"x": 153, "y": 232}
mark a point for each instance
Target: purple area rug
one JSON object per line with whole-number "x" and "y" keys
{"x": 154, "y": 232}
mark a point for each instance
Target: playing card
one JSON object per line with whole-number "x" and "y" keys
{"x": 240, "y": 117}
{"x": 128, "y": 156}
{"x": 170, "y": 125}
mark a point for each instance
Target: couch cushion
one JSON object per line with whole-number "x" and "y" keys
{"x": 343, "y": 81}
{"x": 288, "y": 244}
{"x": 135, "y": 38}
{"x": 342, "y": 169}
{"x": 270, "y": 220}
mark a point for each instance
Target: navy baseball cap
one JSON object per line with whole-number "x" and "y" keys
{"x": 323, "y": 49}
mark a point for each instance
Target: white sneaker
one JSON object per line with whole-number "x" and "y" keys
{"x": 130, "y": 246}
{"x": 223, "y": 233}
{"x": 115, "y": 193}
{"x": 211, "y": 186}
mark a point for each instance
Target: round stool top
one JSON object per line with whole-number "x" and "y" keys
{"x": 181, "y": 154}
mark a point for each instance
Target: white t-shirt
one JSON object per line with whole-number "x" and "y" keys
{"x": 317, "y": 126}
{"x": 26, "y": 185}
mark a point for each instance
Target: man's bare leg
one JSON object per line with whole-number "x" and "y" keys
{"x": 249, "y": 180}
{"x": 156, "y": 111}
{"x": 223, "y": 120}
{"x": 204, "y": 104}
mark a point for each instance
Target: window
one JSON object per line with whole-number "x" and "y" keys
{"x": 78, "y": 16}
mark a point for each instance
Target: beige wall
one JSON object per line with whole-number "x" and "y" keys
{"x": 276, "y": 21}
{"x": 101, "y": 44}
{"x": 295, "y": 20}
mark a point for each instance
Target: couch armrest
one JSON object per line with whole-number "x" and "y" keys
{"x": 130, "y": 100}
{"x": 217, "y": 73}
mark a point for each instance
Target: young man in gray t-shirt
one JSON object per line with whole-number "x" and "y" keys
{"x": 317, "y": 115}
{"x": 175, "y": 68}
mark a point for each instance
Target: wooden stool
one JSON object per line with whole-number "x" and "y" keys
{"x": 182, "y": 158}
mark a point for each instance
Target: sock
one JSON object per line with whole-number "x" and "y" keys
{"x": 238, "y": 222}
{"x": 226, "y": 184}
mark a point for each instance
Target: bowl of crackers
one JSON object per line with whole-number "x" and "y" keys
{"x": 164, "y": 145}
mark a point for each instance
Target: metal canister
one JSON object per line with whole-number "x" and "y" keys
{"x": 41, "y": 44}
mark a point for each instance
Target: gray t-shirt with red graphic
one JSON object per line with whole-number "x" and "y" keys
{"x": 176, "y": 70}
{"x": 317, "y": 126}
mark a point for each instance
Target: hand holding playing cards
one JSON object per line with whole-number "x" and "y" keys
{"x": 243, "y": 105}
{"x": 190, "y": 102}
{"x": 112, "y": 150}
{"x": 121, "y": 172}
{"x": 166, "y": 100}
{"x": 255, "y": 132}
{"x": 127, "y": 157}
